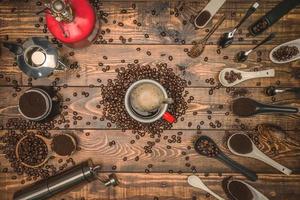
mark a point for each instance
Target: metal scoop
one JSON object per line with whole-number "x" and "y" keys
{"x": 227, "y": 38}
{"x": 242, "y": 56}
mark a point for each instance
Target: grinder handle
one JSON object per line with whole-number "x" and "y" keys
{"x": 15, "y": 48}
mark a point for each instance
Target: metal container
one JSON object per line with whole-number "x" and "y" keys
{"x": 36, "y": 57}
{"x": 52, "y": 101}
{"x": 44, "y": 189}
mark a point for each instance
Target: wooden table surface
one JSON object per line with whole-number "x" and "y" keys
{"x": 167, "y": 177}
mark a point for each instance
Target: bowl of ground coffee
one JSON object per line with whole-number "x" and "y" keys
{"x": 35, "y": 104}
{"x": 63, "y": 144}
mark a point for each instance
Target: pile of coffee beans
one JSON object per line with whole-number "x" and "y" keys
{"x": 206, "y": 147}
{"x": 113, "y": 95}
{"x": 232, "y": 76}
{"x": 31, "y": 147}
{"x": 285, "y": 53}
{"x": 32, "y": 150}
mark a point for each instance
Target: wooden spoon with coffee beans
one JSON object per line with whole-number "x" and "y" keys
{"x": 62, "y": 145}
{"x": 241, "y": 145}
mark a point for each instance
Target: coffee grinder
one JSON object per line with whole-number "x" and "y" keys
{"x": 79, "y": 174}
{"x": 73, "y": 22}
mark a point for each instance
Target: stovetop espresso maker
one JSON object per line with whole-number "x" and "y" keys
{"x": 36, "y": 57}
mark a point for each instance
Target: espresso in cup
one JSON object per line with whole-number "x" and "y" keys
{"x": 146, "y": 101}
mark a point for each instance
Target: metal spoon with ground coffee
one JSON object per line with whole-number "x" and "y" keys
{"x": 207, "y": 147}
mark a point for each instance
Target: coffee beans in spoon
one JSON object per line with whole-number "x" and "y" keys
{"x": 285, "y": 53}
{"x": 232, "y": 76}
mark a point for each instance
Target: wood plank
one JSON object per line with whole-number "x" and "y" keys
{"x": 96, "y": 144}
{"x": 162, "y": 186}
{"x": 20, "y": 23}
{"x": 197, "y": 70}
{"x": 86, "y": 107}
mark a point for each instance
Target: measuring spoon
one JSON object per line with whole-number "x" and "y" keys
{"x": 48, "y": 143}
{"x": 240, "y": 190}
{"x": 227, "y": 38}
{"x": 244, "y": 76}
{"x": 242, "y": 56}
{"x": 241, "y": 145}
{"x": 205, "y": 146}
{"x": 196, "y": 182}
{"x": 246, "y": 107}
{"x": 272, "y": 91}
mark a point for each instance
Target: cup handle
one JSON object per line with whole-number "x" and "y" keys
{"x": 168, "y": 117}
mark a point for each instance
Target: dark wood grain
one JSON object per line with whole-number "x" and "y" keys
{"x": 86, "y": 107}
{"x": 92, "y": 142}
{"x": 17, "y": 22}
{"x": 136, "y": 186}
{"x": 197, "y": 70}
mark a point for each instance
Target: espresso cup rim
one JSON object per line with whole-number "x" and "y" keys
{"x": 48, "y": 105}
{"x": 161, "y": 111}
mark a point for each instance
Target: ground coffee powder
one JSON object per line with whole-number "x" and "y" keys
{"x": 32, "y": 104}
{"x": 244, "y": 107}
{"x": 241, "y": 143}
{"x": 63, "y": 145}
{"x": 240, "y": 191}
{"x": 202, "y": 18}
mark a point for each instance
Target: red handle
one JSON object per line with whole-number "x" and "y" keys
{"x": 168, "y": 117}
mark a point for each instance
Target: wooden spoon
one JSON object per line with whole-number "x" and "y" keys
{"x": 252, "y": 151}
{"x": 199, "y": 47}
{"x": 48, "y": 143}
{"x": 196, "y": 182}
{"x": 245, "y": 76}
{"x": 290, "y": 43}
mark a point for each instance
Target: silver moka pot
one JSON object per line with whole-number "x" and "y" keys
{"x": 36, "y": 57}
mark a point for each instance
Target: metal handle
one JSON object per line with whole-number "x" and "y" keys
{"x": 249, "y": 12}
{"x": 15, "y": 48}
{"x": 270, "y": 37}
{"x": 112, "y": 179}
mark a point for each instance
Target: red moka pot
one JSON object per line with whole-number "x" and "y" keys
{"x": 73, "y": 22}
